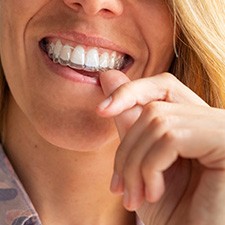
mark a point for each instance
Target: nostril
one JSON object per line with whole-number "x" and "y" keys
{"x": 106, "y": 12}
{"x": 74, "y": 5}
{"x": 108, "y": 8}
{"x": 77, "y": 4}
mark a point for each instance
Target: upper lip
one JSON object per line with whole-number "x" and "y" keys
{"x": 83, "y": 39}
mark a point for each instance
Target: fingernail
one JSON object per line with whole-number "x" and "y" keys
{"x": 115, "y": 183}
{"x": 105, "y": 103}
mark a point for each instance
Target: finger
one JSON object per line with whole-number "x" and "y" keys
{"x": 156, "y": 118}
{"x": 134, "y": 149}
{"x": 147, "y": 130}
{"x": 162, "y": 87}
{"x": 133, "y": 156}
{"x": 110, "y": 81}
{"x": 142, "y": 133}
{"x": 117, "y": 183}
{"x": 131, "y": 152}
{"x": 185, "y": 143}
{"x": 133, "y": 198}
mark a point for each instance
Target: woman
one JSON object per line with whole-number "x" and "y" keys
{"x": 62, "y": 59}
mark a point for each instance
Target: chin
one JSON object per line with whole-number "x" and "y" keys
{"x": 88, "y": 134}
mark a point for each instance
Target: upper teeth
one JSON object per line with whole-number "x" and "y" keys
{"x": 90, "y": 60}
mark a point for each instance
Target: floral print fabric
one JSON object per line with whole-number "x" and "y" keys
{"x": 15, "y": 205}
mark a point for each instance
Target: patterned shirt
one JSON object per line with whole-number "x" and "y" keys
{"x": 15, "y": 206}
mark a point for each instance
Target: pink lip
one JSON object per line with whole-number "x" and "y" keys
{"x": 83, "y": 39}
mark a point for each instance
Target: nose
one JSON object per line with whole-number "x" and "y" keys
{"x": 97, "y": 7}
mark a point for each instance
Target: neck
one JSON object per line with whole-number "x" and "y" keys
{"x": 65, "y": 187}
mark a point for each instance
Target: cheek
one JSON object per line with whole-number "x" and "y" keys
{"x": 14, "y": 18}
{"x": 22, "y": 8}
{"x": 155, "y": 20}
{"x": 157, "y": 28}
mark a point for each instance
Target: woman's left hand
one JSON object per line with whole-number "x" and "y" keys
{"x": 160, "y": 122}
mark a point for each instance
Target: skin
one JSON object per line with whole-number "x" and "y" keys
{"x": 43, "y": 96}
{"x": 48, "y": 115}
{"x": 46, "y": 128}
{"x": 159, "y": 132}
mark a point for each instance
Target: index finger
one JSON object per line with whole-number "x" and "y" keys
{"x": 161, "y": 87}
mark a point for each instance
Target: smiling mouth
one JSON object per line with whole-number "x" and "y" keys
{"x": 84, "y": 58}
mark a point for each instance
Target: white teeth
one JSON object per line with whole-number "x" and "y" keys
{"x": 57, "y": 50}
{"x": 104, "y": 60}
{"x": 65, "y": 55}
{"x": 92, "y": 60}
{"x": 78, "y": 57}
{"x": 112, "y": 60}
{"x": 89, "y": 60}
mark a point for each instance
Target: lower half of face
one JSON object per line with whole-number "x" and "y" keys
{"x": 52, "y": 61}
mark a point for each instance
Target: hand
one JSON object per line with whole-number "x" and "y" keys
{"x": 162, "y": 124}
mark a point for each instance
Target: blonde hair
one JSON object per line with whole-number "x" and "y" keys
{"x": 200, "y": 45}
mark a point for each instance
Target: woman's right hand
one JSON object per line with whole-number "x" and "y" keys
{"x": 172, "y": 152}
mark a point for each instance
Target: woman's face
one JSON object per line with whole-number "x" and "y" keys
{"x": 59, "y": 101}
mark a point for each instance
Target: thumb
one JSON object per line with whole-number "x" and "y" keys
{"x": 110, "y": 81}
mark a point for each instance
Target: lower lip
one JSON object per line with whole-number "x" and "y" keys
{"x": 68, "y": 73}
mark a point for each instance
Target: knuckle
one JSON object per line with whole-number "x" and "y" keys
{"x": 159, "y": 122}
{"x": 126, "y": 88}
{"x": 170, "y": 136}
{"x": 172, "y": 82}
{"x": 121, "y": 91}
{"x": 151, "y": 108}
{"x": 156, "y": 119}
{"x": 126, "y": 94}
{"x": 170, "y": 77}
